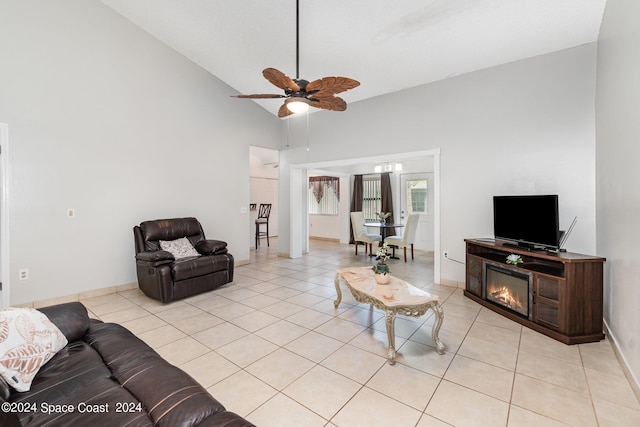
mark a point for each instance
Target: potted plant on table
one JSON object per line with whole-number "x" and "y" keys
{"x": 383, "y": 216}
{"x": 381, "y": 270}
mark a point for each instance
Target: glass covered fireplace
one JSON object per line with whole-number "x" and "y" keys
{"x": 508, "y": 287}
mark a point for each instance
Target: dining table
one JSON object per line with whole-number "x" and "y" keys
{"x": 384, "y": 227}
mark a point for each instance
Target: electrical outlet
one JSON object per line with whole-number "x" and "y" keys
{"x": 23, "y": 274}
{"x": 445, "y": 254}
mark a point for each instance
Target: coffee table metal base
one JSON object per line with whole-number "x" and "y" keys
{"x": 409, "y": 309}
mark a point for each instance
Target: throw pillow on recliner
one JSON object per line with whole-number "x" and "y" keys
{"x": 179, "y": 248}
{"x": 211, "y": 247}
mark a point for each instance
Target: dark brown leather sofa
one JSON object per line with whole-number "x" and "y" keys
{"x": 164, "y": 278}
{"x": 106, "y": 376}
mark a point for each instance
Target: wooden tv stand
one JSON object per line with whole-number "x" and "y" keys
{"x": 567, "y": 289}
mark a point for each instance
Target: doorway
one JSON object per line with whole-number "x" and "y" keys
{"x": 264, "y": 166}
{"x": 416, "y": 197}
{"x": 5, "y": 286}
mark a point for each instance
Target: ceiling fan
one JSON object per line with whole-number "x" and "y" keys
{"x": 299, "y": 93}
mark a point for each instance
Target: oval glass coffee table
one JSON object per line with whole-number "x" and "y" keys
{"x": 395, "y": 297}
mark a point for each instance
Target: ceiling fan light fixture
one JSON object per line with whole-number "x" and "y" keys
{"x": 300, "y": 93}
{"x": 297, "y": 105}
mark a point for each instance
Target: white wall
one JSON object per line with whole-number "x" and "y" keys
{"x": 111, "y": 122}
{"x": 524, "y": 127}
{"x": 324, "y": 227}
{"x": 618, "y": 174}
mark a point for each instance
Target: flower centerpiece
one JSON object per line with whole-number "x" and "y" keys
{"x": 514, "y": 259}
{"x": 381, "y": 270}
{"x": 383, "y": 216}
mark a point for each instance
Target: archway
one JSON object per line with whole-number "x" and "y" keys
{"x": 298, "y": 229}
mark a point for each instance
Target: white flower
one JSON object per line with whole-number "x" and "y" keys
{"x": 383, "y": 252}
{"x": 514, "y": 259}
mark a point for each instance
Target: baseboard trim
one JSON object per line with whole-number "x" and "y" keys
{"x": 453, "y": 283}
{"x": 633, "y": 381}
{"x": 80, "y": 295}
{"x": 325, "y": 239}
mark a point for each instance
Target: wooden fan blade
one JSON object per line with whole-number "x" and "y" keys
{"x": 332, "y": 85}
{"x": 279, "y": 79}
{"x": 284, "y": 111}
{"x": 333, "y": 103}
{"x": 259, "y": 96}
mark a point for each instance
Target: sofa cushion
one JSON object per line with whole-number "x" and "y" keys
{"x": 78, "y": 376}
{"x": 171, "y": 397}
{"x": 28, "y": 340}
{"x": 179, "y": 248}
{"x": 72, "y": 370}
{"x": 188, "y": 268}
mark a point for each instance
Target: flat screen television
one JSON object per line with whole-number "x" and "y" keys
{"x": 530, "y": 221}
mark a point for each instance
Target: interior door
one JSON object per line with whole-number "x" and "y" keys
{"x": 4, "y": 217}
{"x": 416, "y": 196}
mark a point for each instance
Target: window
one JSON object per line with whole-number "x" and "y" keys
{"x": 371, "y": 198}
{"x": 324, "y": 195}
{"x": 417, "y": 196}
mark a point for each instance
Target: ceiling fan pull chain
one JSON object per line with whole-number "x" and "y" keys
{"x": 287, "y": 138}
{"x": 297, "y": 39}
{"x": 307, "y": 134}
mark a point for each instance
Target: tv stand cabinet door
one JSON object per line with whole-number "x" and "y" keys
{"x": 547, "y": 301}
{"x": 474, "y": 275}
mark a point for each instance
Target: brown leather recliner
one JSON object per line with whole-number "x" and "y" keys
{"x": 165, "y": 278}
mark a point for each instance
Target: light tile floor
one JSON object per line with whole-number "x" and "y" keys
{"x": 272, "y": 348}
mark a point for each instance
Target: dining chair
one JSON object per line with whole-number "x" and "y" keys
{"x": 263, "y": 219}
{"x": 360, "y": 233}
{"x": 408, "y": 236}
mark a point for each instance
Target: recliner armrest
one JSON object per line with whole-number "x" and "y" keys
{"x": 211, "y": 247}
{"x": 155, "y": 258}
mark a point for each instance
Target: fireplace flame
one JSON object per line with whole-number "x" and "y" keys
{"x": 504, "y": 297}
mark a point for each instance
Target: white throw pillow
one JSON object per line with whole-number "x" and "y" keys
{"x": 28, "y": 340}
{"x": 179, "y": 248}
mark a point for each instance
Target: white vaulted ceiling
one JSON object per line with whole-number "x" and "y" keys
{"x": 387, "y": 45}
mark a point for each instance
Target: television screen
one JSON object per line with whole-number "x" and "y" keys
{"x": 528, "y": 220}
